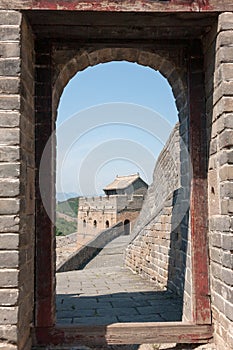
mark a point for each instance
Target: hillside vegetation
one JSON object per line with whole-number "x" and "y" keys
{"x": 70, "y": 208}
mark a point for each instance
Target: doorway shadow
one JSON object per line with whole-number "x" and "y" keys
{"x": 105, "y": 309}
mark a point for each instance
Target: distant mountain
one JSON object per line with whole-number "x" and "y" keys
{"x": 63, "y": 196}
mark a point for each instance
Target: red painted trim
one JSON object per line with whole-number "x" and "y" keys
{"x": 102, "y": 335}
{"x": 114, "y": 5}
{"x": 198, "y": 202}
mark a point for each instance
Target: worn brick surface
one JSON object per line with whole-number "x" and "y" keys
{"x": 220, "y": 230}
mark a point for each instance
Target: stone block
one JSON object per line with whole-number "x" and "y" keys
{"x": 216, "y": 239}
{"x": 218, "y": 301}
{"x": 8, "y": 297}
{"x": 8, "y": 170}
{"x": 9, "y": 223}
{"x": 226, "y": 190}
{"x": 9, "y": 206}
{"x": 9, "y": 33}
{"x": 225, "y": 54}
{"x": 9, "y": 67}
{"x": 226, "y": 139}
{"x": 9, "y": 188}
{"x": 9, "y": 85}
{"x": 9, "y": 241}
{"x": 227, "y": 276}
{"x": 216, "y": 270}
{"x": 9, "y": 102}
{"x": 9, "y": 315}
{"x": 9, "y": 259}
{"x": 9, "y": 136}
{"x": 225, "y": 21}
{"x": 227, "y": 242}
{"x": 8, "y": 278}
{"x": 225, "y": 173}
{"x": 224, "y": 39}
{"x": 9, "y": 119}
{"x": 219, "y": 223}
{"x": 9, "y": 153}
{"x": 227, "y": 260}
{"x": 10, "y": 17}
{"x": 215, "y": 255}
{"x": 8, "y": 333}
{"x": 8, "y": 49}
{"x": 229, "y": 310}
{"x": 224, "y": 206}
{"x": 226, "y": 156}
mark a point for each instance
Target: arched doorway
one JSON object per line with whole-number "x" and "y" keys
{"x": 126, "y": 227}
{"x": 107, "y": 224}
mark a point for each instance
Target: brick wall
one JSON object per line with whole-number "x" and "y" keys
{"x": 16, "y": 182}
{"x": 159, "y": 251}
{"x": 219, "y": 91}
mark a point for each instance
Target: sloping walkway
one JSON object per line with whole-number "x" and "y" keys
{"x": 106, "y": 292}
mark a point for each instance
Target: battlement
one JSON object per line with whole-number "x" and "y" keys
{"x": 113, "y": 203}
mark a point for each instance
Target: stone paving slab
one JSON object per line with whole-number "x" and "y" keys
{"x": 133, "y": 300}
{"x": 106, "y": 292}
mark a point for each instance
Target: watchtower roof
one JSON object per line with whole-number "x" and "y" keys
{"x": 122, "y": 182}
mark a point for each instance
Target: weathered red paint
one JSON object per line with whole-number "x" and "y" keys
{"x": 198, "y": 201}
{"x": 204, "y": 5}
{"x": 116, "y": 5}
{"x": 99, "y": 335}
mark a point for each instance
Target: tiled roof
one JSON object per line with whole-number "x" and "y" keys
{"x": 122, "y": 182}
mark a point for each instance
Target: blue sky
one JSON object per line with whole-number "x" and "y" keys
{"x": 113, "y": 119}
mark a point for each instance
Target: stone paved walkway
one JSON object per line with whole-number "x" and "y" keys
{"x": 106, "y": 292}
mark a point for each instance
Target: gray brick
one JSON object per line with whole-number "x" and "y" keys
{"x": 226, "y": 157}
{"x": 226, "y": 139}
{"x": 216, "y": 239}
{"x": 9, "y": 297}
{"x": 225, "y": 21}
{"x": 226, "y": 190}
{"x": 8, "y": 333}
{"x": 226, "y": 172}
{"x": 215, "y": 255}
{"x": 218, "y": 301}
{"x": 10, "y": 17}
{"x": 9, "y": 119}
{"x": 9, "y": 206}
{"x": 227, "y": 260}
{"x": 9, "y": 241}
{"x": 229, "y": 310}
{"x": 8, "y": 33}
{"x": 9, "y": 259}
{"x": 220, "y": 223}
{"x": 9, "y": 102}
{"x": 9, "y": 315}
{"x": 9, "y": 188}
{"x": 9, "y": 67}
{"x": 9, "y": 136}
{"x": 9, "y": 49}
{"x": 8, "y": 170}
{"x": 9, "y": 85}
{"x": 227, "y": 242}
{"x": 8, "y": 278}
{"x": 227, "y": 276}
{"x": 9, "y": 153}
